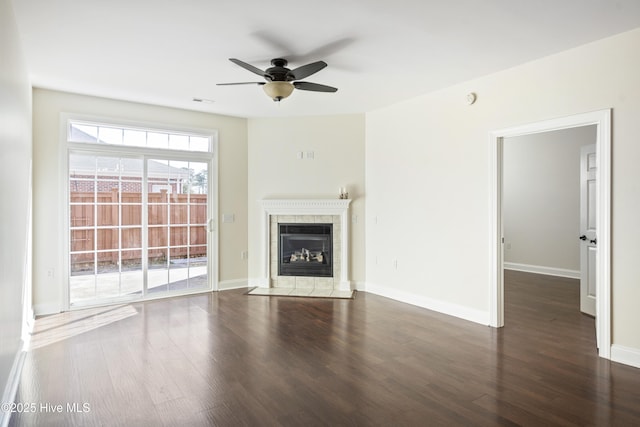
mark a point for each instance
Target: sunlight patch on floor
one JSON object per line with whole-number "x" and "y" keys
{"x": 58, "y": 327}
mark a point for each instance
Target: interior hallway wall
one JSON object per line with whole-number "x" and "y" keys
{"x": 541, "y": 207}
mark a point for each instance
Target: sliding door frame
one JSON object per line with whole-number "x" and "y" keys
{"x": 144, "y": 153}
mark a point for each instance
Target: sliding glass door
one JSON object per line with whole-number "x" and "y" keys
{"x": 137, "y": 226}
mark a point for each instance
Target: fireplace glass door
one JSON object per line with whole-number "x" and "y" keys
{"x": 305, "y": 250}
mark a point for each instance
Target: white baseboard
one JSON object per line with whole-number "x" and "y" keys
{"x": 258, "y": 282}
{"x": 11, "y": 388}
{"x": 46, "y": 309}
{"x": 466, "y": 313}
{"x": 359, "y": 286}
{"x": 27, "y": 330}
{"x": 232, "y": 284}
{"x": 538, "y": 269}
{"x": 627, "y": 355}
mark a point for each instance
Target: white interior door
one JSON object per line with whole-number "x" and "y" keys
{"x": 588, "y": 239}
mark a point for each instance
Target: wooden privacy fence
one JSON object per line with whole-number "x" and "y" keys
{"x": 176, "y": 221}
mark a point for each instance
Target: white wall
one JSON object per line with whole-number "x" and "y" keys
{"x": 541, "y": 207}
{"x": 232, "y": 182}
{"x": 275, "y": 172}
{"x": 428, "y": 177}
{"x": 15, "y": 196}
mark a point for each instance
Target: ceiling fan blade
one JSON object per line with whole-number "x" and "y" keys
{"x": 275, "y": 42}
{"x": 315, "y": 87}
{"x": 250, "y": 67}
{"x": 306, "y": 70}
{"x": 240, "y": 83}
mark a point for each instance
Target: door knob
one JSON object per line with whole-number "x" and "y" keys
{"x": 583, "y": 237}
{"x": 594, "y": 241}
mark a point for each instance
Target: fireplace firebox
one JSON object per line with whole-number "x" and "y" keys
{"x": 305, "y": 250}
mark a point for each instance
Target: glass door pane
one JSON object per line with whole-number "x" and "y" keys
{"x": 177, "y": 217}
{"x": 105, "y": 205}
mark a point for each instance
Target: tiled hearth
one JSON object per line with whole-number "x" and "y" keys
{"x": 303, "y": 292}
{"x": 295, "y": 211}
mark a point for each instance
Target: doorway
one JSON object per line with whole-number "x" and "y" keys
{"x": 602, "y": 120}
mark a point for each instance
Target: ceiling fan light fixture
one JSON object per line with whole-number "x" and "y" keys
{"x": 278, "y": 90}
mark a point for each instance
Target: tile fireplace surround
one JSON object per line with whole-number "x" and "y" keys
{"x": 333, "y": 211}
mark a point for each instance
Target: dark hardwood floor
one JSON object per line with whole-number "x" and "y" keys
{"x": 229, "y": 359}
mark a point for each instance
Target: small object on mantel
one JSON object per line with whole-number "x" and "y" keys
{"x": 343, "y": 193}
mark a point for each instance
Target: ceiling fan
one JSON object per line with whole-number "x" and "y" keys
{"x": 280, "y": 80}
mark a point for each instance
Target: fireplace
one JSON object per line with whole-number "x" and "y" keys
{"x": 305, "y": 250}
{"x": 330, "y": 214}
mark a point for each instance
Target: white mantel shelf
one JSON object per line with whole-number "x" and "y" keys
{"x": 306, "y": 206}
{"x": 338, "y": 207}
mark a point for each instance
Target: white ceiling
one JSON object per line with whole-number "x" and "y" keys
{"x": 379, "y": 52}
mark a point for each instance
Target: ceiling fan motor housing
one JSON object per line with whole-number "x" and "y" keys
{"x": 279, "y": 72}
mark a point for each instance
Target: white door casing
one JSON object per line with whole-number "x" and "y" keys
{"x": 602, "y": 120}
{"x": 588, "y": 224}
